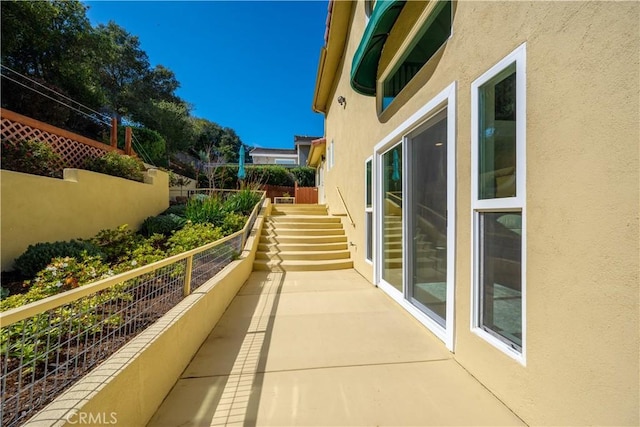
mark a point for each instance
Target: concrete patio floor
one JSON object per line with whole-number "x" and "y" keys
{"x": 324, "y": 348}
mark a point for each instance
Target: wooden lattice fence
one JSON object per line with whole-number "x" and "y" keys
{"x": 73, "y": 148}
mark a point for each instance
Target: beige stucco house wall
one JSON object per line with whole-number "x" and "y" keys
{"x": 582, "y": 190}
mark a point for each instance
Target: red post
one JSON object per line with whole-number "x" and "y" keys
{"x": 295, "y": 192}
{"x": 114, "y": 132}
{"x": 127, "y": 141}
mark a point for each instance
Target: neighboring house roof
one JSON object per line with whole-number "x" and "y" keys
{"x": 318, "y": 149}
{"x": 337, "y": 29}
{"x": 304, "y": 140}
{"x": 270, "y": 152}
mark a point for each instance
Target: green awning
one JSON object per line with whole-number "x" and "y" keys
{"x": 364, "y": 68}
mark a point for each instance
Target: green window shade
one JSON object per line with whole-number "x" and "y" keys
{"x": 364, "y": 68}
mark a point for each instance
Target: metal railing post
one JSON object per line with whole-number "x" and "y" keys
{"x": 187, "y": 278}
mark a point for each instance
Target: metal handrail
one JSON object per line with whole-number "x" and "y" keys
{"x": 353, "y": 224}
{"x": 17, "y": 314}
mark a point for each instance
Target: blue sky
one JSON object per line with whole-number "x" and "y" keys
{"x": 247, "y": 65}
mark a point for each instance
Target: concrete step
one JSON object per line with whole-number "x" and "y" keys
{"x": 302, "y": 232}
{"x": 296, "y": 265}
{"x": 303, "y": 239}
{"x": 296, "y": 219}
{"x": 298, "y": 210}
{"x": 303, "y": 225}
{"x": 303, "y": 255}
{"x": 307, "y": 206}
{"x": 289, "y": 247}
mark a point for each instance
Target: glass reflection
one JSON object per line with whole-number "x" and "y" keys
{"x": 392, "y": 217}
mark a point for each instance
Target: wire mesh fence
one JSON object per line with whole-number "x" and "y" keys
{"x": 43, "y": 354}
{"x": 209, "y": 262}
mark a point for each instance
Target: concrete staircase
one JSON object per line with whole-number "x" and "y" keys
{"x": 302, "y": 238}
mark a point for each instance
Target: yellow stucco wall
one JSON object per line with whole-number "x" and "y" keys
{"x": 38, "y": 209}
{"x": 583, "y": 178}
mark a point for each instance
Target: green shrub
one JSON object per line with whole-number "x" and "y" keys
{"x": 27, "y": 340}
{"x": 32, "y": 157}
{"x": 305, "y": 176}
{"x": 152, "y": 144}
{"x": 117, "y": 164}
{"x": 66, "y": 273}
{"x": 162, "y": 224}
{"x": 116, "y": 243}
{"x": 233, "y": 222}
{"x": 205, "y": 210}
{"x": 270, "y": 174}
{"x": 146, "y": 252}
{"x": 242, "y": 201}
{"x": 192, "y": 236}
{"x": 176, "y": 210}
{"x": 200, "y": 197}
{"x": 19, "y": 300}
{"x": 38, "y": 256}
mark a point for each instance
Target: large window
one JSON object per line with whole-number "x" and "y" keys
{"x": 498, "y": 180}
{"x": 433, "y": 35}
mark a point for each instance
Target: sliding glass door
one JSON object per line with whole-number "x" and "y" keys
{"x": 414, "y": 213}
{"x": 427, "y": 218}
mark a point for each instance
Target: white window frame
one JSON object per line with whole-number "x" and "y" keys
{"x": 368, "y": 210}
{"x": 506, "y": 204}
{"x": 445, "y": 99}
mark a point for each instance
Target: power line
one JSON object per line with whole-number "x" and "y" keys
{"x": 54, "y": 91}
{"x": 57, "y": 100}
{"x": 140, "y": 149}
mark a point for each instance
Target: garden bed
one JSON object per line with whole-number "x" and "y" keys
{"x": 44, "y": 354}
{"x": 29, "y": 385}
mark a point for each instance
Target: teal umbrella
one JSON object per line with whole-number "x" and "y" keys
{"x": 241, "y": 172}
{"x": 396, "y": 166}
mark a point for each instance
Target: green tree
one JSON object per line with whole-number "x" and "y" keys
{"x": 123, "y": 68}
{"x": 52, "y": 43}
{"x": 147, "y": 143}
{"x": 172, "y": 120}
{"x": 211, "y": 137}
